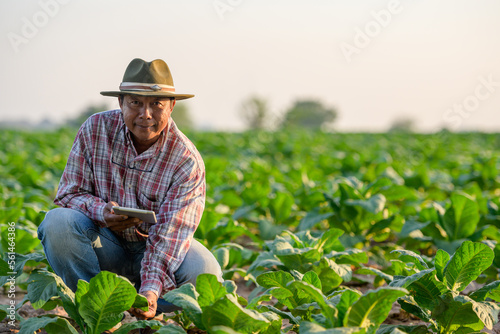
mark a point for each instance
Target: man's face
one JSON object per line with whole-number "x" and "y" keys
{"x": 146, "y": 117}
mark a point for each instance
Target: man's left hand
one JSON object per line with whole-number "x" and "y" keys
{"x": 149, "y": 314}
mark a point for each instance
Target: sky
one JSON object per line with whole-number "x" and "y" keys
{"x": 434, "y": 62}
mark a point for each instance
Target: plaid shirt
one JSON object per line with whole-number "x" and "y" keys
{"x": 168, "y": 178}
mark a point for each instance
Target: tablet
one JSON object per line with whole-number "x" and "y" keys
{"x": 144, "y": 215}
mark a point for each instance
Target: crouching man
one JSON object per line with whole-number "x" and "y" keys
{"x": 132, "y": 157}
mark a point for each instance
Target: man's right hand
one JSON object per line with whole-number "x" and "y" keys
{"x": 118, "y": 223}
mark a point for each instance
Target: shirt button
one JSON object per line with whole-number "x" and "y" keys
{"x": 130, "y": 185}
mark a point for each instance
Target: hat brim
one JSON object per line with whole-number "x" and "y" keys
{"x": 141, "y": 93}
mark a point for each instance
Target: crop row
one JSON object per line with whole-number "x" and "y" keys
{"x": 304, "y": 218}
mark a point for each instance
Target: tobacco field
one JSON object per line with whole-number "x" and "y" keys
{"x": 326, "y": 233}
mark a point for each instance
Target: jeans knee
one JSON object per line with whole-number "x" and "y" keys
{"x": 199, "y": 260}
{"x": 61, "y": 223}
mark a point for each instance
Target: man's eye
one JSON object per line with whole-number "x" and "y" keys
{"x": 134, "y": 102}
{"x": 158, "y": 104}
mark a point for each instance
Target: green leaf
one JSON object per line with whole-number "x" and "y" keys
{"x": 4, "y": 268}
{"x": 109, "y": 295}
{"x": 491, "y": 290}
{"x": 460, "y": 220}
{"x": 409, "y": 304}
{"x": 186, "y": 297}
{"x": 331, "y": 274}
{"x": 4, "y": 311}
{"x": 427, "y": 290}
{"x": 228, "y": 312}
{"x": 141, "y": 302}
{"x": 128, "y": 327}
{"x": 487, "y": 312}
{"x": 405, "y": 281}
{"x": 274, "y": 279}
{"x": 440, "y": 261}
{"x": 281, "y": 206}
{"x": 41, "y": 288}
{"x": 54, "y": 325}
{"x": 347, "y": 298}
{"x": 373, "y": 271}
{"x": 20, "y": 262}
{"x": 372, "y": 308}
{"x": 209, "y": 289}
{"x": 312, "y": 218}
{"x": 327, "y": 310}
{"x": 352, "y": 256}
{"x": 374, "y": 204}
{"x": 312, "y": 278}
{"x": 468, "y": 262}
{"x": 409, "y": 256}
{"x": 455, "y": 312}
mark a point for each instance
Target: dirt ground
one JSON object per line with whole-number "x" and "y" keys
{"x": 396, "y": 316}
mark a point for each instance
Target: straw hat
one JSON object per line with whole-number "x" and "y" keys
{"x": 148, "y": 79}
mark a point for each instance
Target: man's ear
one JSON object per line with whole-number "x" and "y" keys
{"x": 120, "y": 101}
{"x": 172, "y": 102}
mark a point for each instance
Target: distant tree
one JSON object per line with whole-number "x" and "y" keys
{"x": 309, "y": 114}
{"x": 181, "y": 117}
{"x": 403, "y": 125}
{"x": 255, "y": 113}
{"x": 86, "y": 113}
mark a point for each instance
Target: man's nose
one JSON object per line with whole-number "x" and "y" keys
{"x": 146, "y": 111}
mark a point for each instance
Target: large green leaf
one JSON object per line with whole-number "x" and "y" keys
{"x": 461, "y": 218}
{"x": 209, "y": 289}
{"x": 456, "y": 312}
{"x": 228, "y": 312}
{"x": 468, "y": 262}
{"x": 427, "y": 290}
{"x": 316, "y": 295}
{"x": 42, "y": 287}
{"x": 372, "y": 308}
{"x": 186, "y": 297}
{"x": 109, "y": 295}
{"x": 52, "y": 325}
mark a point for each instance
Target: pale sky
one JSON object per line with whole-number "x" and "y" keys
{"x": 436, "y": 62}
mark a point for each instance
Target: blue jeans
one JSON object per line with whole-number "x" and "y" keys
{"x": 76, "y": 249}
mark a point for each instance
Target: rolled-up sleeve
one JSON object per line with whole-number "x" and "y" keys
{"x": 76, "y": 188}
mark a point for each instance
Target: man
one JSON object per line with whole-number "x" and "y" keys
{"x": 134, "y": 157}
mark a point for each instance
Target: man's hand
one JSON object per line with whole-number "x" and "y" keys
{"x": 118, "y": 223}
{"x": 149, "y": 314}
